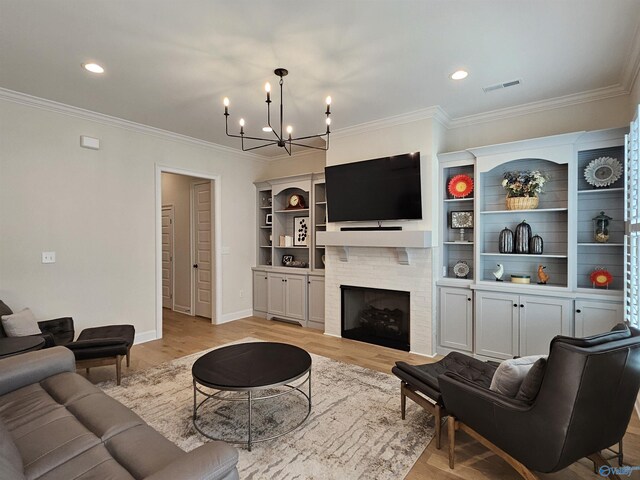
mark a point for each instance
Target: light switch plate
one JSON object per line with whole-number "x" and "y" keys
{"x": 48, "y": 257}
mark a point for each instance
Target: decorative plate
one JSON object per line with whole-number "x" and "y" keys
{"x": 460, "y": 186}
{"x": 600, "y": 278}
{"x": 603, "y": 171}
{"x": 461, "y": 269}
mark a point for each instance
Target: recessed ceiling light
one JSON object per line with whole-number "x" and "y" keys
{"x": 459, "y": 75}
{"x": 267, "y": 129}
{"x": 93, "y": 67}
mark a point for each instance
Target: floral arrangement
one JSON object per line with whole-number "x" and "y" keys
{"x": 524, "y": 184}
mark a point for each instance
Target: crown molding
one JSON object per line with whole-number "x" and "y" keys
{"x": 539, "y": 106}
{"x": 303, "y": 153}
{"x": 435, "y": 113}
{"x": 57, "y": 107}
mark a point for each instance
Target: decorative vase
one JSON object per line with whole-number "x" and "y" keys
{"x": 522, "y": 203}
{"x": 601, "y": 228}
{"x": 523, "y": 235}
{"x": 505, "y": 241}
{"x": 536, "y": 245}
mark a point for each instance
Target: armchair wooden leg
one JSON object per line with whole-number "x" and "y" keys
{"x": 128, "y": 357}
{"x": 403, "y": 400}
{"x": 118, "y": 369}
{"x": 451, "y": 432}
{"x": 438, "y": 422}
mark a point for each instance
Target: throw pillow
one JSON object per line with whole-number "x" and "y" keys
{"x": 510, "y": 374}
{"x": 20, "y": 324}
{"x": 531, "y": 384}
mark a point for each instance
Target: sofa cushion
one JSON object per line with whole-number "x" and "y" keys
{"x": 51, "y": 444}
{"x": 68, "y": 387}
{"x": 142, "y": 450}
{"x": 510, "y": 374}
{"x": 10, "y": 459}
{"x": 26, "y": 405}
{"x": 532, "y": 382}
{"x": 20, "y": 324}
{"x": 103, "y": 415}
{"x": 93, "y": 464}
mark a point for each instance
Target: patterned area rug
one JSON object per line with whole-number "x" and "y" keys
{"x": 354, "y": 430}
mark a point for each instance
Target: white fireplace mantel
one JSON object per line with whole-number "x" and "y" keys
{"x": 400, "y": 240}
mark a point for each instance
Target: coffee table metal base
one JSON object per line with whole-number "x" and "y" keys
{"x": 250, "y": 398}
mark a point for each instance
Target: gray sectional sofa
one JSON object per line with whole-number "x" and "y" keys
{"x": 54, "y": 424}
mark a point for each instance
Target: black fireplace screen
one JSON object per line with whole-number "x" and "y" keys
{"x": 376, "y": 316}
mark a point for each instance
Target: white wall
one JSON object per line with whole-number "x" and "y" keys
{"x": 97, "y": 211}
{"x": 607, "y": 113}
{"x": 308, "y": 161}
{"x": 635, "y": 98}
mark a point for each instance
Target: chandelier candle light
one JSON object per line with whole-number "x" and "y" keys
{"x": 279, "y": 139}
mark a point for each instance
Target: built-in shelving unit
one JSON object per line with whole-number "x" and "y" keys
{"x": 568, "y": 303}
{"x": 265, "y": 230}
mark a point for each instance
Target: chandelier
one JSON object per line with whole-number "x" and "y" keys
{"x": 276, "y": 138}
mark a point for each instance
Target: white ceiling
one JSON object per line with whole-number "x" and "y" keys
{"x": 169, "y": 63}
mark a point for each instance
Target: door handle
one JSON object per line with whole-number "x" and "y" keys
{"x": 195, "y": 265}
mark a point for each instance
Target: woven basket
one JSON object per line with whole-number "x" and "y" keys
{"x": 522, "y": 203}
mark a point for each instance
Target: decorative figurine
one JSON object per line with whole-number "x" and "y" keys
{"x": 499, "y": 272}
{"x": 542, "y": 276}
{"x": 536, "y": 245}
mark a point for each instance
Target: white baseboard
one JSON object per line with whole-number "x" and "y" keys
{"x": 144, "y": 337}
{"x": 230, "y": 317}
{"x": 332, "y": 335}
{"x": 259, "y": 314}
{"x": 434, "y": 355}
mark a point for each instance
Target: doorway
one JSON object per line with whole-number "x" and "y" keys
{"x": 188, "y": 280}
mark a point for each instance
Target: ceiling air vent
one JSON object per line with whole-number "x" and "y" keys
{"x": 499, "y": 86}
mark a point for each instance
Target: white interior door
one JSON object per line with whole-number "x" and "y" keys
{"x": 167, "y": 256}
{"x": 203, "y": 251}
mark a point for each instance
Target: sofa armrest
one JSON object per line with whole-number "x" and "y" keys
{"x": 32, "y": 367}
{"x": 211, "y": 461}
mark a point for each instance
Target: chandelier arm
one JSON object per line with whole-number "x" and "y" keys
{"x": 252, "y": 138}
{"x": 319, "y": 135}
{"x": 287, "y": 150}
{"x": 259, "y": 146}
{"x": 308, "y": 146}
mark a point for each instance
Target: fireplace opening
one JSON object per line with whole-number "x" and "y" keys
{"x": 376, "y": 316}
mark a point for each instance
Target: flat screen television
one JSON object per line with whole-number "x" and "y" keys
{"x": 381, "y": 189}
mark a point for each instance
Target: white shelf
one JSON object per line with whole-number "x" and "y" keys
{"x": 266, "y": 226}
{"x": 293, "y": 210}
{"x": 265, "y": 246}
{"x": 321, "y": 225}
{"x": 266, "y": 208}
{"x": 524, "y": 255}
{"x": 293, "y": 246}
{"x": 601, "y": 244}
{"x": 453, "y": 200}
{"x": 458, "y": 243}
{"x": 321, "y": 203}
{"x": 601, "y": 190}
{"x": 536, "y": 210}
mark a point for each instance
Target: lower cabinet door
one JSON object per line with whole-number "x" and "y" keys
{"x": 260, "y": 291}
{"x": 276, "y": 304}
{"x": 541, "y": 319}
{"x": 596, "y": 317}
{"x": 496, "y": 328}
{"x": 456, "y": 318}
{"x": 296, "y": 297}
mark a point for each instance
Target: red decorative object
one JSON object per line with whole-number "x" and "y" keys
{"x": 460, "y": 186}
{"x": 601, "y": 278}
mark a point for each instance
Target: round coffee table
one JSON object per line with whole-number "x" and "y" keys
{"x": 255, "y": 369}
{"x": 16, "y": 345}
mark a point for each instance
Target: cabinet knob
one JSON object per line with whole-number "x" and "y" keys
{"x": 468, "y": 299}
{"x": 578, "y": 311}
{"x": 515, "y": 305}
{"x": 522, "y": 305}
{"x": 265, "y": 278}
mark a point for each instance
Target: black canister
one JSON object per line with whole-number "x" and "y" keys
{"x": 505, "y": 241}
{"x": 536, "y": 245}
{"x": 523, "y": 235}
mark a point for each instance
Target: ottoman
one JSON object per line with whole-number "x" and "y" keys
{"x": 418, "y": 381}
{"x": 97, "y": 346}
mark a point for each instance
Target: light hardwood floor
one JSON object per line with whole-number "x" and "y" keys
{"x": 183, "y": 335}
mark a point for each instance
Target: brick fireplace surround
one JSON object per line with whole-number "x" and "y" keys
{"x": 377, "y": 267}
